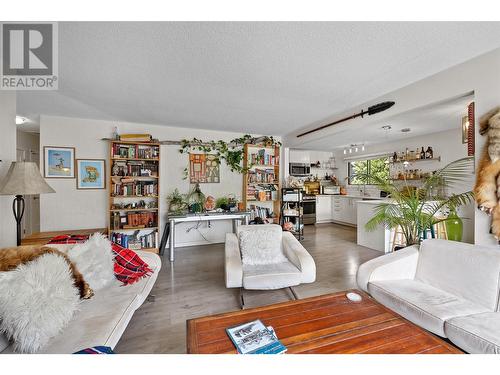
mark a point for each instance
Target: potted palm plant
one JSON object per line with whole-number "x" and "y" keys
{"x": 416, "y": 211}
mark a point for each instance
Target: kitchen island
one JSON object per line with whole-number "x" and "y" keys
{"x": 380, "y": 238}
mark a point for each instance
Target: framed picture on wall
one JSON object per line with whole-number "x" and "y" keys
{"x": 90, "y": 174}
{"x": 59, "y": 162}
{"x": 465, "y": 129}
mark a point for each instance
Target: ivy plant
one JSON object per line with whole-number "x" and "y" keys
{"x": 230, "y": 152}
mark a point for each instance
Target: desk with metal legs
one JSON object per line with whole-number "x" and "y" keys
{"x": 236, "y": 218}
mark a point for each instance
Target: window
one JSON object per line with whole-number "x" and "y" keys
{"x": 359, "y": 168}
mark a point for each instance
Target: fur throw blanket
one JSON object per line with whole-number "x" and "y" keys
{"x": 40, "y": 291}
{"x": 11, "y": 258}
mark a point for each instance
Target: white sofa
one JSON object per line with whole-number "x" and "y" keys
{"x": 102, "y": 319}
{"x": 447, "y": 287}
{"x": 299, "y": 267}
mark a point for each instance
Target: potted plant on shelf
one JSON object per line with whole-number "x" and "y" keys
{"x": 415, "y": 211}
{"x": 177, "y": 203}
{"x": 196, "y": 199}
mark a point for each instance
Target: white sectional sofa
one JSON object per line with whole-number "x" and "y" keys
{"x": 447, "y": 287}
{"x": 102, "y": 319}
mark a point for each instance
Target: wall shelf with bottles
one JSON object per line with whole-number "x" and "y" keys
{"x": 436, "y": 158}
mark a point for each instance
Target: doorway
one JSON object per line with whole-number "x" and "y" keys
{"x": 28, "y": 146}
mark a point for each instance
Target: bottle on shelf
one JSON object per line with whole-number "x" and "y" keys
{"x": 422, "y": 153}
{"x": 429, "y": 154}
{"x": 417, "y": 154}
{"x": 395, "y": 157}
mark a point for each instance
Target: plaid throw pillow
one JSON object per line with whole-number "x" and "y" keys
{"x": 129, "y": 267}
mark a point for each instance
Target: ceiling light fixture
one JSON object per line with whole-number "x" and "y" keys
{"x": 354, "y": 147}
{"x": 386, "y": 127}
{"x": 380, "y": 107}
{"x": 20, "y": 120}
{"x": 405, "y": 130}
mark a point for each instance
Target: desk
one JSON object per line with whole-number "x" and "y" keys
{"x": 235, "y": 217}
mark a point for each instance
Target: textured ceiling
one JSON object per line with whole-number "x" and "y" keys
{"x": 258, "y": 77}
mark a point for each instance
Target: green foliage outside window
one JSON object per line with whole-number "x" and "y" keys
{"x": 373, "y": 167}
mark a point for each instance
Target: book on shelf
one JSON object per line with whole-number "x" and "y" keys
{"x": 129, "y": 168}
{"x": 136, "y": 151}
{"x": 134, "y": 188}
{"x": 262, "y": 158}
{"x": 138, "y": 238}
{"x": 134, "y": 220}
{"x": 261, "y": 176}
{"x": 255, "y": 338}
{"x": 262, "y": 212}
{"x": 136, "y": 137}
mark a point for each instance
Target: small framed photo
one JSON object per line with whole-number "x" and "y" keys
{"x": 59, "y": 162}
{"x": 90, "y": 174}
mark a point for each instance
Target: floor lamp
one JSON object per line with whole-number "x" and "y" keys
{"x": 23, "y": 178}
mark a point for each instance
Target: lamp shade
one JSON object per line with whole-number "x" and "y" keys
{"x": 24, "y": 178}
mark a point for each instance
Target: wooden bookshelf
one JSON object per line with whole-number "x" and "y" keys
{"x": 271, "y": 162}
{"x": 127, "y": 209}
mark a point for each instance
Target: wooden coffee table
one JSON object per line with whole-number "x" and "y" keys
{"x": 325, "y": 324}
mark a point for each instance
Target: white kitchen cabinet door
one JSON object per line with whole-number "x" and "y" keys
{"x": 336, "y": 208}
{"x": 323, "y": 209}
{"x": 299, "y": 156}
{"x": 354, "y": 210}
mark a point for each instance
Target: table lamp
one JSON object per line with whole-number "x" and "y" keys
{"x": 23, "y": 178}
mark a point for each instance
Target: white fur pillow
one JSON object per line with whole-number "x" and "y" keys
{"x": 37, "y": 300}
{"x": 94, "y": 259}
{"x": 261, "y": 246}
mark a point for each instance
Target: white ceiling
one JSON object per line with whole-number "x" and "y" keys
{"x": 252, "y": 77}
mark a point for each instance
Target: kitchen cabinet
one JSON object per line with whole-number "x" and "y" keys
{"x": 344, "y": 209}
{"x": 336, "y": 208}
{"x": 323, "y": 208}
{"x": 299, "y": 156}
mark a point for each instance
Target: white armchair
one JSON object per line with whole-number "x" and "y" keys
{"x": 294, "y": 266}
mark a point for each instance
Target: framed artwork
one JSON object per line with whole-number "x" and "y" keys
{"x": 465, "y": 129}
{"x": 203, "y": 168}
{"x": 471, "y": 131}
{"x": 90, "y": 174}
{"x": 59, "y": 162}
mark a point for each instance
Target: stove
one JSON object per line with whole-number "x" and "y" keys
{"x": 309, "y": 208}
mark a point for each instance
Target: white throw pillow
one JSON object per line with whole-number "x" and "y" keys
{"x": 94, "y": 259}
{"x": 37, "y": 300}
{"x": 261, "y": 246}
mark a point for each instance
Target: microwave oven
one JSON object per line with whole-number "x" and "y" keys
{"x": 299, "y": 169}
{"x": 332, "y": 189}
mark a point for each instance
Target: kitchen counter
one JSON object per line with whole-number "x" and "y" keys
{"x": 379, "y": 239}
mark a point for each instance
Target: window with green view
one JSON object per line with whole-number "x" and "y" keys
{"x": 373, "y": 167}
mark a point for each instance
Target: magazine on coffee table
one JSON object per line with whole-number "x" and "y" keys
{"x": 255, "y": 338}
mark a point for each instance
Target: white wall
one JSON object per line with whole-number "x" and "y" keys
{"x": 70, "y": 208}
{"x": 7, "y": 155}
{"x": 448, "y": 145}
{"x": 480, "y": 75}
{"x": 28, "y": 142}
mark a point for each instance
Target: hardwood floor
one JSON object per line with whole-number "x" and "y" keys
{"x": 194, "y": 287}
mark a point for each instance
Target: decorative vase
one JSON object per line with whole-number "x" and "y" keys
{"x": 454, "y": 227}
